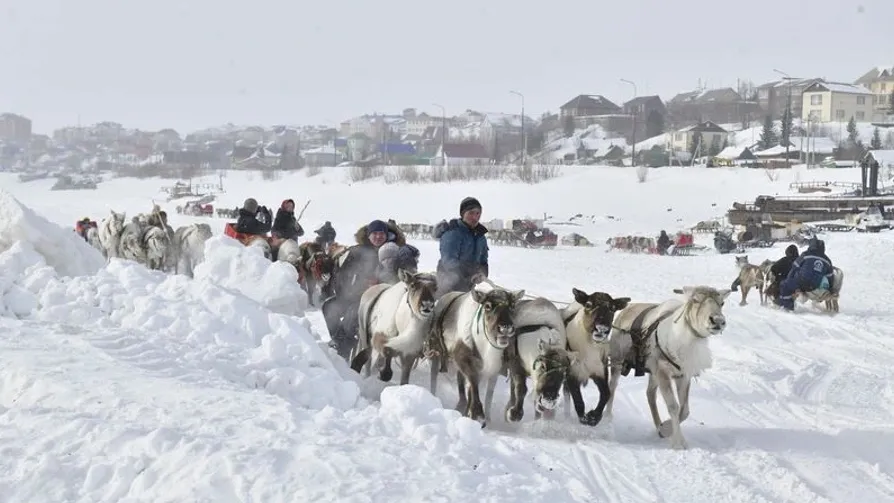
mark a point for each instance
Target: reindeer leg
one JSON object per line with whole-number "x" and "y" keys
{"x": 462, "y": 404}
{"x": 673, "y": 409}
{"x": 601, "y": 382}
{"x": 515, "y": 409}
{"x": 572, "y": 385}
{"x": 476, "y": 409}
{"x": 435, "y": 363}
{"x": 651, "y": 397}
{"x": 683, "y": 386}
{"x": 489, "y": 395}
{"x": 387, "y": 373}
{"x": 406, "y": 366}
{"x": 614, "y": 378}
{"x": 745, "y": 290}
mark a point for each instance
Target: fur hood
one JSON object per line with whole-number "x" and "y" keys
{"x": 399, "y": 238}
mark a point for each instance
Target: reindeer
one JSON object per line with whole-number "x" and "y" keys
{"x": 588, "y": 322}
{"x": 472, "y": 329}
{"x": 311, "y": 262}
{"x": 394, "y": 320}
{"x": 750, "y": 276}
{"x": 540, "y": 353}
{"x": 677, "y": 337}
{"x": 188, "y": 247}
{"x": 110, "y": 233}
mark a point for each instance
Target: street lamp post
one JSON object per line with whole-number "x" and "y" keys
{"x": 524, "y": 136}
{"x": 633, "y": 139}
{"x": 789, "y": 112}
{"x": 443, "y": 133}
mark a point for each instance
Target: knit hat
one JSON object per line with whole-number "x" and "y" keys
{"x": 250, "y": 205}
{"x": 469, "y": 203}
{"x": 388, "y": 251}
{"x": 376, "y": 226}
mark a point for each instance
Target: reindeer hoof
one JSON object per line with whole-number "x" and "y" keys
{"x": 386, "y": 374}
{"x": 514, "y": 416}
{"x": 591, "y": 418}
{"x": 743, "y": 303}
{"x": 666, "y": 429}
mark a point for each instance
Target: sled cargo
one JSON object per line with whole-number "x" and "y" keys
{"x": 246, "y": 239}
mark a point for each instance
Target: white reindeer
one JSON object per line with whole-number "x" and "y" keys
{"x": 188, "y": 247}
{"x": 395, "y": 320}
{"x": 675, "y": 342}
{"x": 473, "y": 329}
{"x": 110, "y": 233}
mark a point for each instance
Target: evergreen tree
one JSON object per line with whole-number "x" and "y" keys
{"x": 876, "y": 142}
{"x": 785, "y": 132}
{"x": 695, "y": 142}
{"x": 853, "y": 136}
{"x": 654, "y": 124}
{"x": 768, "y": 135}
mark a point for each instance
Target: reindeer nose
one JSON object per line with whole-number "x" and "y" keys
{"x": 427, "y": 306}
{"x": 718, "y": 320}
{"x": 506, "y": 330}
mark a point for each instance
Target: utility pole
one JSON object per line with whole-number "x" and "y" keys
{"x": 633, "y": 139}
{"x": 787, "y": 114}
{"x": 443, "y": 133}
{"x": 524, "y": 136}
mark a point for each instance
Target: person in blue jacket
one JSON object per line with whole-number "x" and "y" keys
{"x": 463, "y": 249}
{"x": 812, "y": 270}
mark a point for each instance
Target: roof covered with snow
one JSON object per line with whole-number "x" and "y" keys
{"x": 837, "y": 87}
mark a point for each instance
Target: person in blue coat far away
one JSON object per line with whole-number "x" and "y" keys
{"x": 463, "y": 249}
{"x": 810, "y": 271}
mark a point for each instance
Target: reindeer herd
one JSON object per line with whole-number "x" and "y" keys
{"x": 493, "y": 331}
{"x": 148, "y": 239}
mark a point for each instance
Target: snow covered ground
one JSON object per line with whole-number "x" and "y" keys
{"x": 121, "y": 384}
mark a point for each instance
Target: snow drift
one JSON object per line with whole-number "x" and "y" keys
{"x": 62, "y": 249}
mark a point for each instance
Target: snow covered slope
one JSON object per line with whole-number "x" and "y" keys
{"x": 129, "y": 385}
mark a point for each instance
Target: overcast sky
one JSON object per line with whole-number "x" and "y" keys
{"x": 189, "y": 64}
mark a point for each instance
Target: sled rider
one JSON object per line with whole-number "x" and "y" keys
{"x": 248, "y": 222}
{"x": 83, "y": 226}
{"x": 285, "y": 226}
{"x": 358, "y": 272}
{"x": 392, "y": 258}
{"x": 664, "y": 242}
{"x": 810, "y": 271}
{"x": 325, "y": 235}
{"x": 464, "y": 250}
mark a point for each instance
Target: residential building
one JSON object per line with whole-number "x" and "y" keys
{"x": 836, "y": 102}
{"x": 721, "y": 106}
{"x": 417, "y": 124}
{"x": 502, "y": 133}
{"x": 649, "y": 113}
{"x": 462, "y": 154}
{"x": 772, "y": 97}
{"x": 586, "y": 105}
{"x": 15, "y": 128}
{"x": 712, "y": 137}
{"x": 327, "y": 155}
{"x": 879, "y": 80}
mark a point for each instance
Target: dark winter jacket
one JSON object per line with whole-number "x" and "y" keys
{"x": 464, "y": 253}
{"x": 781, "y": 267}
{"x": 360, "y": 268}
{"x": 284, "y": 225}
{"x": 810, "y": 268}
{"x": 248, "y": 222}
{"x": 664, "y": 242}
{"x": 326, "y": 234}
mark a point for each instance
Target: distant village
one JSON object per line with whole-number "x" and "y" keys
{"x": 775, "y": 124}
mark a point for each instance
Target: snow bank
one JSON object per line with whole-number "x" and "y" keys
{"x": 206, "y": 324}
{"x": 245, "y": 269}
{"x": 62, "y": 249}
